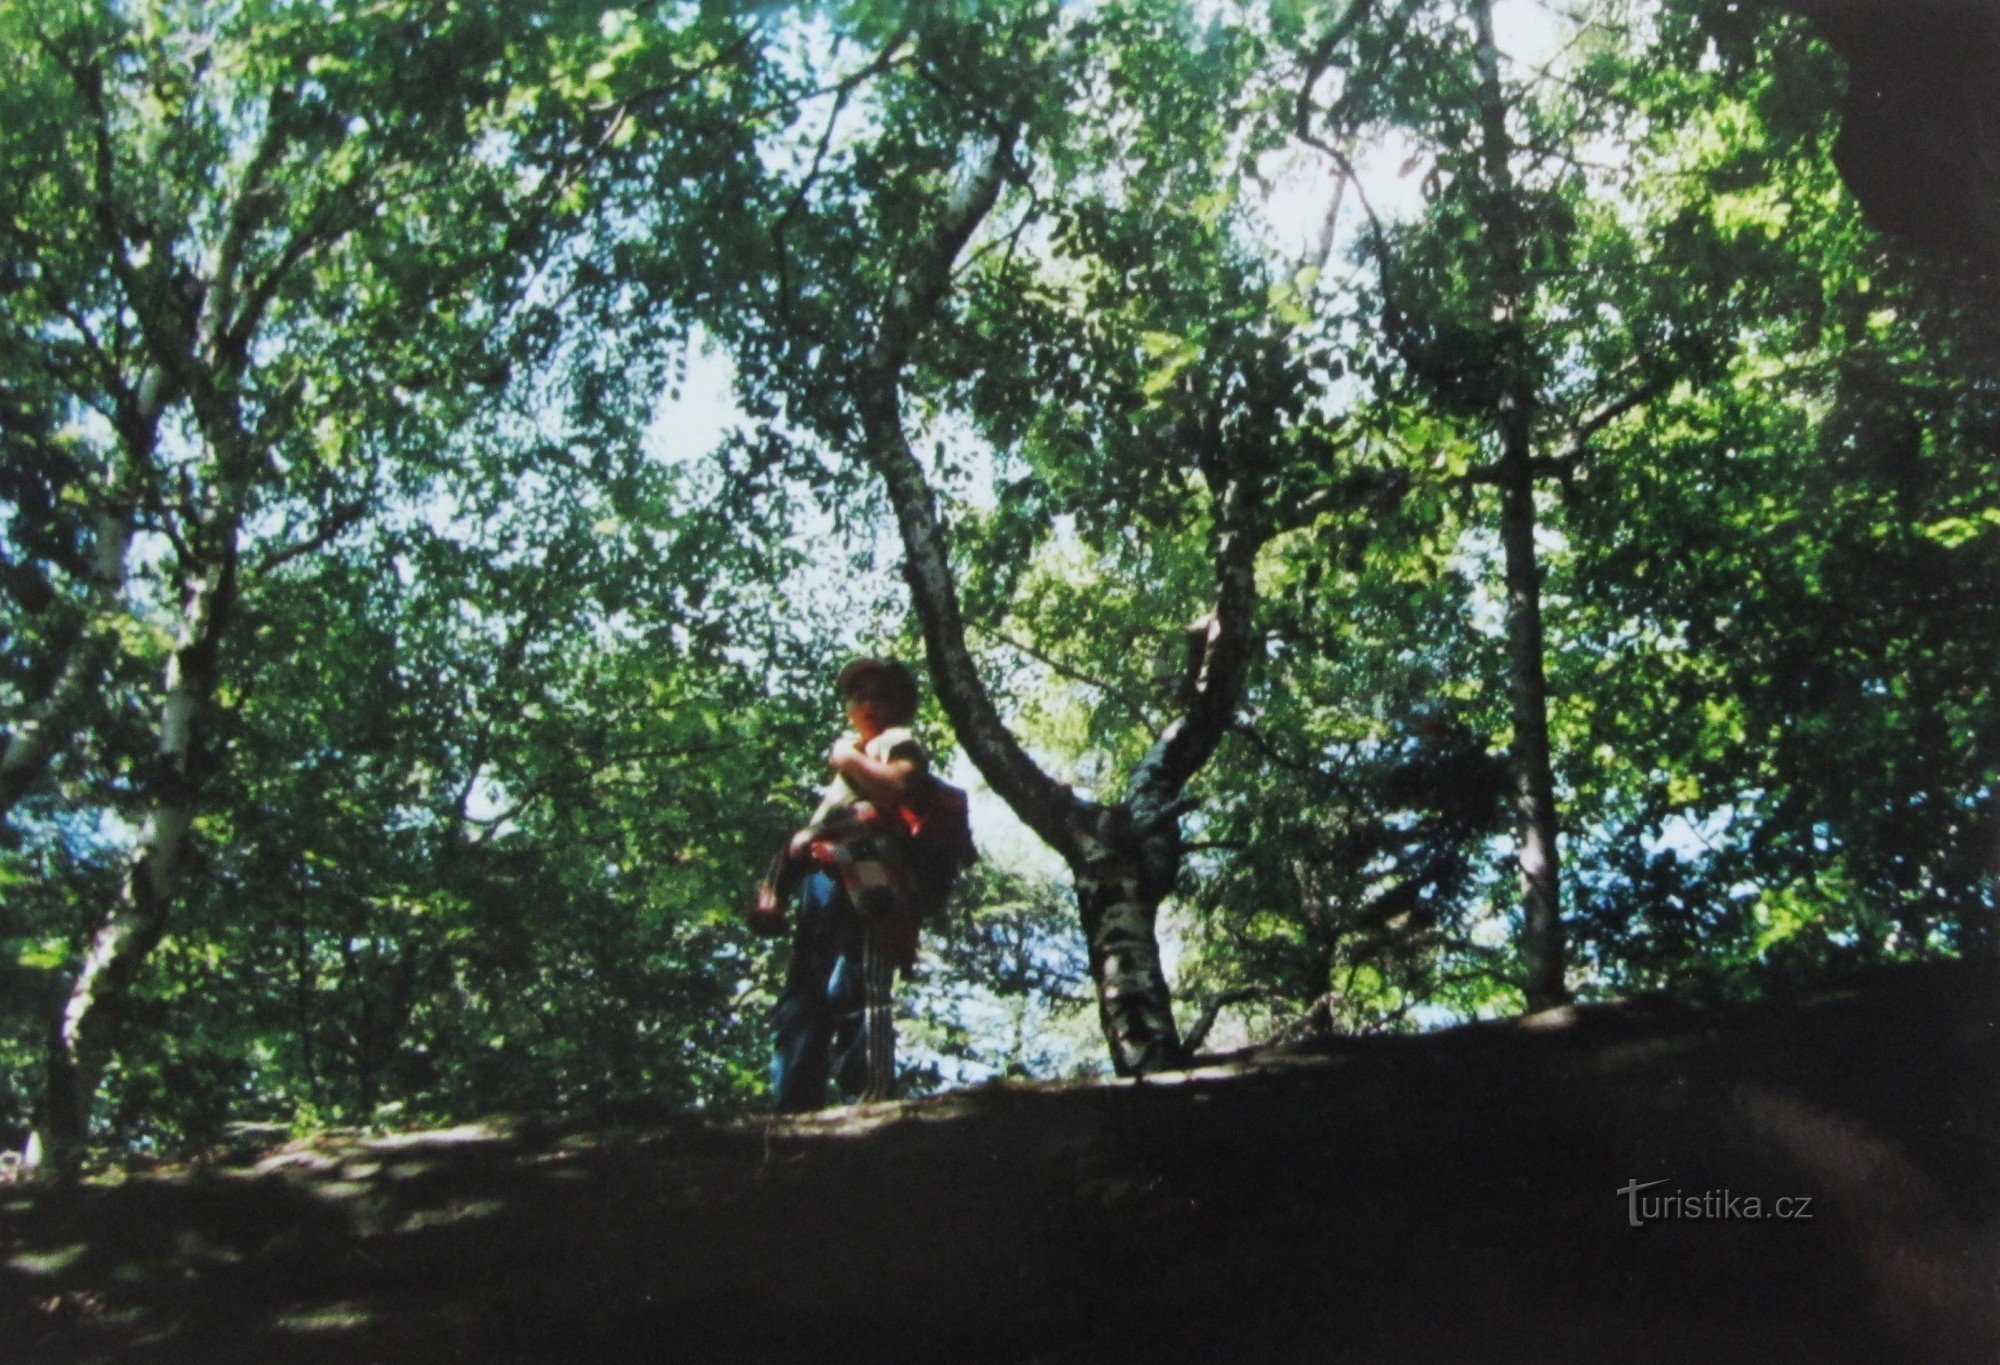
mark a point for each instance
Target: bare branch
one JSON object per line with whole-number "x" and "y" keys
{"x": 1339, "y": 782}
{"x": 1580, "y": 436}
{"x": 1577, "y": 445}
{"x": 322, "y": 229}
{"x": 1212, "y": 1010}
{"x": 1074, "y": 674}
{"x": 915, "y": 299}
{"x": 342, "y": 518}
{"x": 1322, "y": 58}
{"x": 1223, "y": 655}
{"x": 841, "y": 91}
{"x": 168, "y": 349}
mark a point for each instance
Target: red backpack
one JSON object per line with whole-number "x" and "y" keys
{"x": 940, "y": 847}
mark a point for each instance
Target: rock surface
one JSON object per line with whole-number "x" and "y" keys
{"x": 1920, "y": 135}
{"x": 1457, "y": 1196}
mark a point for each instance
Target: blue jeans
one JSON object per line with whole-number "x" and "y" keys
{"x": 822, "y": 1019}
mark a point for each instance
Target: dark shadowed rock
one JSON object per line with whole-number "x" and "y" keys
{"x": 1920, "y": 137}
{"x": 1459, "y": 1196}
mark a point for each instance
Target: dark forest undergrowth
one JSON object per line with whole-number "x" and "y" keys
{"x": 1449, "y": 1197}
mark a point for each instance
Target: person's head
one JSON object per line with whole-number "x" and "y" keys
{"x": 880, "y": 694}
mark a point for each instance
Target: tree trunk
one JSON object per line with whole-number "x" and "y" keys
{"x": 1117, "y": 905}
{"x": 1123, "y": 858}
{"x": 1534, "y": 779}
{"x": 1534, "y": 782}
{"x": 1121, "y": 874}
{"x": 1118, "y": 887}
{"x": 135, "y": 921}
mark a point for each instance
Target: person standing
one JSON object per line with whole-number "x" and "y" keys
{"x": 859, "y": 898}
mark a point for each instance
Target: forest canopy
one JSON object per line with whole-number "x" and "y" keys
{"x": 1420, "y": 509}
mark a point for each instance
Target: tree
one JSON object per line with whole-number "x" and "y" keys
{"x": 945, "y": 147}
{"x": 275, "y": 252}
{"x": 392, "y": 723}
{"x": 1796, "y": 545}
{"x": 1488, "y": 312}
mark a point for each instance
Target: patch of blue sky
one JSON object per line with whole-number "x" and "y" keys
{"x": 1692, "y": 836}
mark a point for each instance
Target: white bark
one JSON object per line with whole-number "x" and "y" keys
{"x": 136, "y": 919}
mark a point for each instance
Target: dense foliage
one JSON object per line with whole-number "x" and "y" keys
{"x": 403, "y": 679}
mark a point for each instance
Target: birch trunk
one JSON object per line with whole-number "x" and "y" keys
{"x": 1123, "y": 858}
{"x": 1120, "y": 876}
{"x": 1118, "y": 895}
{"x": 136, "y": 919}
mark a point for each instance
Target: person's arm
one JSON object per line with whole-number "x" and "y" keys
{"x": 885, "y": 784}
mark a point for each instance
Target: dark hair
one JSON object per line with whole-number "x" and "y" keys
{"x": 885, "y": 680}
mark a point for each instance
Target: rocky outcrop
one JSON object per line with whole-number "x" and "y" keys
{"x": 1920, "y": 137}
{"x": 1590, "y": 1184}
